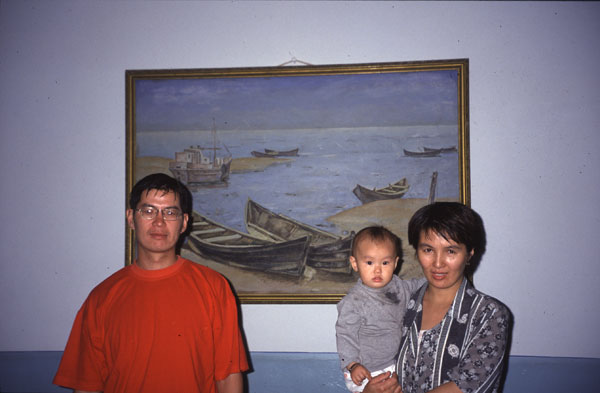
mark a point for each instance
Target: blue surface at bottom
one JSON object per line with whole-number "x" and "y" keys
{"x": 552, "y": 374}
{"x": 290, "y": 372}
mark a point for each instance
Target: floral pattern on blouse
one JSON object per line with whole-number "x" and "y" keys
{"x": 467, "y": 347}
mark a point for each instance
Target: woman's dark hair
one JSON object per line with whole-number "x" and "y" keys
{"x": 379, "y": 234}
{"x": 451, "y": 220}
{"x": 164, "y": 183}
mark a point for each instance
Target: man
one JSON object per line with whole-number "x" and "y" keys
{"x": 162, "y": 324}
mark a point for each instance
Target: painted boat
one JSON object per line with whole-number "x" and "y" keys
{"x": 261, "y": 154}
{"x": 327, "y": 251}
{"x": 290, "y": 153}
{"x": 432, "y": 153}
{"x": 200, "y": 166}
{"x": 235, "y": 248}
{"x": 275, "y": 153}
{"x": 450, "y": 149}
{"x": 392, "y": 191}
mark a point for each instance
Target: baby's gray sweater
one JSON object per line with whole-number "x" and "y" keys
{"x": 369, "y": 324}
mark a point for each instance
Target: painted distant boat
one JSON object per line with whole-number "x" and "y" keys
{"x": 261, "y": 154}
{"x": 201, "y": 166}
{"x": 442, "y": 149}
{"x": 393, "y": 191}
{"x": 285, "y": 153}
{"x": 431, "y": 153}
{"x": 275, "y": 153}
{"x": 327, "y": 251}
{"x": 235, "y": 248}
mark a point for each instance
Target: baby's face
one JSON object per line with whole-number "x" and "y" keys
{"x": 375, "y": 262}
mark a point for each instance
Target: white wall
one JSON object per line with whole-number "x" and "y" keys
{"x": 534, "y": 116}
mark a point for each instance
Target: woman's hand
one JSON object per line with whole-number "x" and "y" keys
{"x": 383, "y": 383}
{"x": 359, "y": 373}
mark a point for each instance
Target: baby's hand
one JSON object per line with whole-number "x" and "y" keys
{"x": 359, "y": 373}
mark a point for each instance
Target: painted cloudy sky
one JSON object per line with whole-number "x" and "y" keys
{"x": 297, "y": 102}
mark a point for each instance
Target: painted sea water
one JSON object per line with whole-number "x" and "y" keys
{"x": 318, "y": 183}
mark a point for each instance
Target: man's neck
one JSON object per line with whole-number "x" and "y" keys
{"x": 151, "y": 261}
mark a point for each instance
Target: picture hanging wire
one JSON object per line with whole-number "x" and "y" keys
{"x": 294, "y": 61}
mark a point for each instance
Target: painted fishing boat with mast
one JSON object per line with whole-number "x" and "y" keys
{"x": 199, "y": 166}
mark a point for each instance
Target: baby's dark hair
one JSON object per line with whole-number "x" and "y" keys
{"x": 377, "y": 233}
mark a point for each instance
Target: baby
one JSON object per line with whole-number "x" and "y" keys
{"x": 368, "y": 328}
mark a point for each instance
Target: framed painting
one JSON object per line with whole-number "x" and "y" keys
{"x": 286, "y": 164}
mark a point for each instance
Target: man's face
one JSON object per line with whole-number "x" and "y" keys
{"x": 157, "y": 236}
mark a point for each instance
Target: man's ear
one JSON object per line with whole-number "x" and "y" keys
{"x": 186, "y": 217}
{"x": 130, "y": 222}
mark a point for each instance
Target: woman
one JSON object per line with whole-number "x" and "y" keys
{"x": 454, "y": 337}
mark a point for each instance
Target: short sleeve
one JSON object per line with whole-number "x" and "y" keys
{"x": 83, "y": 366}
{"x": 230, "y": 352}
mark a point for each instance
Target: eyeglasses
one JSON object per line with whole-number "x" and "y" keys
{"x": 168, "y": 214}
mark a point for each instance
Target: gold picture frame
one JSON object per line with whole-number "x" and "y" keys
{"x": 286, "y": 163}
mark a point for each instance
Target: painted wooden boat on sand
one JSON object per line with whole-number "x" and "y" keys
{"x": 392, "y": 191}
{"x": 226, "y": 245}
{"x": 327, "y": 251}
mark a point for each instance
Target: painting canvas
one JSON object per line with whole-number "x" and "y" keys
{"x": 286, "y": 164}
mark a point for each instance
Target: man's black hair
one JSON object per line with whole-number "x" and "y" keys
{"x": 164, "y": 183}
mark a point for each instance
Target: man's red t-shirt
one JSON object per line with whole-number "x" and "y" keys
{"x": 169, "y": 330}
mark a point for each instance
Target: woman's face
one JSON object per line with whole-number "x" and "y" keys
{"x": 443, "y": 261}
